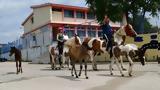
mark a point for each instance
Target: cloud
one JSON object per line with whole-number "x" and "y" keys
{"x": 14, "y": 12}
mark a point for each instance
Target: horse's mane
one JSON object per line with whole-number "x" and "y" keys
{"x": 71, "y": 41}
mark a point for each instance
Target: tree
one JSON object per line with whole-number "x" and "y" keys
{"x": 116, "y": 9}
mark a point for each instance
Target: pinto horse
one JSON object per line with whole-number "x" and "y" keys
{"x": 18, "y": 58}
{"x": 54, "y": 55}
{"x": 130, "y": 51}
{"x": 120, "y": 36}
{"x": 94, "y": 46}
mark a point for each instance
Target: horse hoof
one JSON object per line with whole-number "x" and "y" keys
{"x": 62, "y": 66}
{"x": 76, "y": 76}
{"x": 124, "y": 69}
{"x": 79, "y": 75}
{"x": 69, "y": 69}
{"x": 112, "y": 69}
{"x": 86, "y": 77}
{"x": 111, "y": 73}
{"x": 72, "y": 75}
{"x": 130, "y": 75}
{"x": 95, "y": 69}
{"x": 122, "y": 75}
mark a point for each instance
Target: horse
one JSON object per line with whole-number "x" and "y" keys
{"x": 130, "y": 51}
{"x": 94, "y": 45}
{"x": 78, "y": 53}
{"x": 54, "y": 54}
{"x": 18, "y": 58}
{"x": 97, "y": 45}
{"x": 120, "y": 36}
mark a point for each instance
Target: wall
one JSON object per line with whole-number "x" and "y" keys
{"x": 36, "y": 48}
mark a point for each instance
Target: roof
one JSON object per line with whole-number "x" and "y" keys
{"x": 27, "y": 18}
{"x": 60, "y": 6}
{"x": 56, "y": 6}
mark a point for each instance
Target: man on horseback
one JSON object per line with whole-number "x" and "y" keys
{"x": 107, "y": 33}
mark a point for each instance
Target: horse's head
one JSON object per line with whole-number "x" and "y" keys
{"x": 130, "y": 31}
{"x": 12, "y": 51}
{"x": 74, "y": 41}
{"x": 141, "y": 56}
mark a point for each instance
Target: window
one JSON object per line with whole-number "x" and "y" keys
{"x": 81, "y": 33}
{"x": 34, "y": 38}
{"x": 69, "y": 13}
{"x": 32, "y": 20}
{"x": 80, "y": 14}
{"x": 90, "y": 16}
{"x": 56, "y": 9}
{"x": 70, "y": 33}
{"x": 100, "y": 34}
{"x": 91, "y": 33}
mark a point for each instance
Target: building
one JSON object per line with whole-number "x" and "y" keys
{"x": 41, "y": 26}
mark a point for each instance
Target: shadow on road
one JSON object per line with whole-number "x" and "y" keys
{"x": 116, "y": 82}
{"x": 69, "y": 78}
{"x": 9, "y": 73}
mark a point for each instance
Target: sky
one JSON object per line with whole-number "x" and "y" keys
{"x": 14, "y": 12}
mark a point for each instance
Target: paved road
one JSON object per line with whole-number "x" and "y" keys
{"x": 41, "y": 77}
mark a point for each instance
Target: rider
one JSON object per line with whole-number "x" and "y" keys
{"x": 107, "y": 32}
{"x": 60, "y": 39}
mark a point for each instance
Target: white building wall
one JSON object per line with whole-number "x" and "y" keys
{"x": 41, "y": 16}
{"x": 38, "y": 49}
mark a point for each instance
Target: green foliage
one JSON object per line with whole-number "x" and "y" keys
{"x": 116, "y": 8}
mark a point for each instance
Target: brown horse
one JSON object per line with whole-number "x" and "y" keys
{"x": 54, "y": 54}
{"x": 18, "y": 58}
{"x": 78, "y": 53}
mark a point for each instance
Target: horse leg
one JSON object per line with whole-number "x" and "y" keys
{"x": 121, "y": 60}
{"x": 17, "y": 66}
{"x": 51, "y": 62}
{"x": 54, "y": 59}
{"x": 68, "y": 62}
{"x": 85, "y": 63}
{"x": 111, "y": 64}
{"x": 60, "y": 61}
{"x": 120, "y": 69}
{"x": 75, "y": 72}
{"x": 20, "y": 66}
{"x": 94, "y": 65}
{"x": 130, "y": 66}
{"x": 80, "y": 68}
{"x": 72, "y": 70}
{"x": 63, "y": 59}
